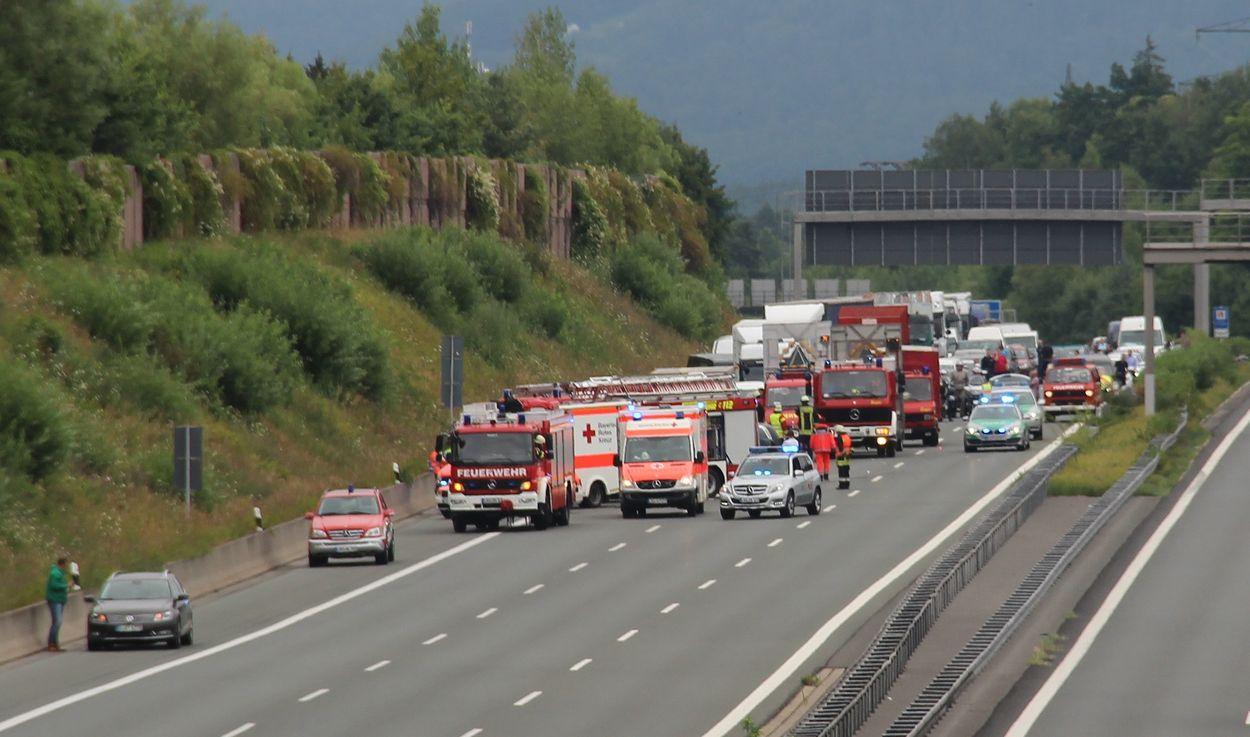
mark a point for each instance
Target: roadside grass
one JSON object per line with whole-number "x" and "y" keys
{"x": 1044, "y": 652}
{"x": 111, "y": 505}
{"x": 1123, "y": 433}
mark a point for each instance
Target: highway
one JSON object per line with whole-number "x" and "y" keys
{"x": 658, "y": 626}
{"x": 1166, "y": 652}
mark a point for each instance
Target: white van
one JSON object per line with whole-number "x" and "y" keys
{"x": 1133, "y": 335}
{"x": 1019, "y": 332}
{"x": 980, "y": 339}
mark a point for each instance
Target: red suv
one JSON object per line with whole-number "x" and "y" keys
{"x": 351, "y": 523}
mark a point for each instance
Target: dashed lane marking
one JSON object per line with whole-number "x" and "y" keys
{"x": 315, "y": 694}
{"x": 616, "y": 547}
{"x": 435, "y": 639}
{"x": 853, "y": 493}
{"x": 775, "y": 543}
{"x": 240, "y": 730}
{"x": 627, "y": 635}
{"x": 831, "y": 507}
{"x": 578, "y": 567}
{"x": 472, "y": 732}
{"x": 803, "y": 524}
{"x": 488, "y": 612}
{"x": 652, "y": 528}
{"x": 877, "y": 478}
{"x": 707, "y": 584}
{"x": 920, "y": 452}
{"x": 742, "y": 562}
{"x": 899, "y": 464}
{"x": 532, "y": 589}
{"x": 527, "y": 698}
{"x": 377, "y": 666}
{"x": 669, "y": 608}
{"x": 581, "y": 664}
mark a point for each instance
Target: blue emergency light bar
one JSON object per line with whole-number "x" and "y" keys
{"x": 680, "y": 415}
{"x": 637, "y": 415}
{"x": 790, "y": 446}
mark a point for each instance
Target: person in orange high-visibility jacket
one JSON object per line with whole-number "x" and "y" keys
{"x": 822, "y": 450}
{"x": 842, "y": 448}
{"x": 442, "y": 475}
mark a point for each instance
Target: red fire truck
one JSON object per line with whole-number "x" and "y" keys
{"x": 922, "y": 404}
{"x": 859, "y": 386}
{"x": 787, "y": 388}
{"x": 732, "y": 414}
{"x": 510, "y": 465}
{"x": 1071, "y": 386}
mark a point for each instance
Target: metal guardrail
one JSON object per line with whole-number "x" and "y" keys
{"x": 991, "y": 198}
{"x": 865, "y": 684}
{"x": 1225, "y": 189}
{"x": 931, "y": 704}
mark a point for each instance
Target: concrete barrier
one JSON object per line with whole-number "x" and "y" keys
{"x": 24, "y": 631}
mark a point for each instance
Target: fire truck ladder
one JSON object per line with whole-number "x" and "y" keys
{"x": 684, "y": 385}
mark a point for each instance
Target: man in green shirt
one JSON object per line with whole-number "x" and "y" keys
{"x": 56, "y": 593}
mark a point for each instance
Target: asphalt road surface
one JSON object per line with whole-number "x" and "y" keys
{"x": 1166, "y": 653}
{"x": 660, "y": 626}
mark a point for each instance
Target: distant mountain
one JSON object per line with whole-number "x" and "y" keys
{"x": 774, "y": 87}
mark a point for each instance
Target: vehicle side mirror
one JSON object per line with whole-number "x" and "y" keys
{"x": 798, "y": 472}
{"x": 699, "y": 456}
{"x": 616, "y": 460}
{"x": 89, "y": 599}
{"x": 308, "y": 516}
{"x": 732, "y": 474}
{"x": 183, "y": 599}
{"x": 390, "y": 513}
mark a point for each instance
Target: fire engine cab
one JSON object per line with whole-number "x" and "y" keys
{"x": 1071, "y": 386}
{"x": 506, "y": 465}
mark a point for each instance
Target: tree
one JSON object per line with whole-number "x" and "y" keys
{"x": 1232, "y": 158}
{"x": 962, "y": 142}
{"x": 544, "y": 50}
{"x": 694, "y": 170}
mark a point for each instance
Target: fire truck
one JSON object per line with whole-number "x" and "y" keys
{"x": 922, "y": 405}
{"x": 1071, "y": 386}
{"x": 860, "y": 385}
{"x": 499, "y": 469}
{"x": 732, "y": 414}
{"x": 787, "y": 387}
{"x": 663, "y": 459}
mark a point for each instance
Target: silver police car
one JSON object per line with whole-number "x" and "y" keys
{"x": 772, "y": 480}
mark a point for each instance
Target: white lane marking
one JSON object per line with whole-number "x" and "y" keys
{"x": 240, "y": 730}
{"x": 488, "y": 612}
{"x": 580, "y": 664}
{"x": 1060, "y": 675}
{"x": 831, "y": 507}
{"x": 803, "y": 524}
{"x": 742, "y": 562}
{"x": 377, "y": 666}
{"x": 899, "y": 464}
{"x": 775, "y": 543}
{"x": 853, "y": 493}
{"x": 669, "y": 608}
{"x": 533, "y": 588}
{"x": 707, "y": 584}
{"x": 616, "y": 547}
{"x": 956, "y": 428}
{"x": 787, "y": 669}
{"x": 627, "y": 635}
{"x": 472, "y": 732}
{"x": 877, "y": 478}
{"x": 527, "y": 698}
{"x": 920, "y": 452}
{"x": 653, "y": 528}
{"x": 309, "y": 697}
{"x": 435, "y": 639}
{"x": 278, "y": 626}
{"x": 578, "y": 567}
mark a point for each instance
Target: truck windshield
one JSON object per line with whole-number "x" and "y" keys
{"x": 1028, "y": 340}
{"x": 764, "y": 467}
{"x": 1138, "y": 337}
{"x": 486, "y": 448}
{"x": 921, "y": 329}
{"x": 658, "y": 449}
{"x": 789, "y": 396}
{"x": 919, "y": 388}
{"x": 979, "y": 345}
{"x": 1073, "y": 375}
{"x": 843, "y": 384}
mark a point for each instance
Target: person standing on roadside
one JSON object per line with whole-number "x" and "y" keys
{"x": 1045, "y": 354}
{"x": 1000, "y": 362}
{"x": 56, "y": 593}
{"x": 987, "y": 363}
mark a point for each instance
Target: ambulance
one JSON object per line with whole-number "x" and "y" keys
{"x": 663, "y": 460}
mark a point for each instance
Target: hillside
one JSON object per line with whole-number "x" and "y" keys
{"x": 101, "y": 357}
{"x": 773, "y": 88}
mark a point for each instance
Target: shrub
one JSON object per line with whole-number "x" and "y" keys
{"x": 265, "y": 199}
{"x": 106, "y": 175}
{"x": 495, "y": 331}
{"x": 590, "y": 226}
{"x": 107, "y": 305}
{"x": 320, "y": 189}
{"x": 546, "y": 311}
{"x": 651, "y": 272}
{"x": 481, "y": 200}
{"x": 535, "y": 206}
{"x": 461, "y": 281}
{"x": 410, "y": 264}
{"x": 69, "y": 216}
{"x": 19, "y": 231}
{"x": 35, "y": 439}
{"x": 149, "y": 386}
{"x": 168, "y": 209}
{"x": 504, "y": 273}
{"x": 206, "y": 192}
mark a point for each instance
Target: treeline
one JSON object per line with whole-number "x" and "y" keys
{"x": 160, "y": 78}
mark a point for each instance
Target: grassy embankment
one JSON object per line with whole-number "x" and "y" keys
{"x": 1200, "y": 377}
{"x": 311, "y": 360}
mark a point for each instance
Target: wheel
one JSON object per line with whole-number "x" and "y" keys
{"x": 390, "y": 551}
{"x": 755, "y": 513}
{"x": 881, "y": 451}
{"x": 714, "y": 481}
{"x": 969, "y": 448}
{"x": 189, "y": 638}
{"x": 692, "y": 507}
{"x": 728, "y": 513}
{"x": 597, "y": 494}
{"x": 1038, "y": 435}
{"x": 544, "y": 517}
{"x": 890, "y": 450}
{"x": 931, "y": 439}
{"x": 93, "y": 646}
{"x": 562, "y": 517}
{"x": 788, "y": 510}
{"x": 315, "y": 561}
{"x": 459, "y": 524}
{"x": 641, "y": 510}
{"x": 175, "y": 642}
{"x": 381, "y": 558}
{"x": 628, "y": 511}
{"x": 814, "y": 508}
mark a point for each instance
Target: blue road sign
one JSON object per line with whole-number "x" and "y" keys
{"x": 1219, "y": 321}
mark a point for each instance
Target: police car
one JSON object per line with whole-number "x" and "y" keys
{"x": 773, "y": 479}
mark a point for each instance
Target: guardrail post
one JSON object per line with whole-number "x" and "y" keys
{"x": 1148, "y": 310}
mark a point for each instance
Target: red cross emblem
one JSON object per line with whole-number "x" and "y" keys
{"x": 589, "y": 433}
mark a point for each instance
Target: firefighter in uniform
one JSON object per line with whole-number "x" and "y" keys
{"x": 540, "y": 447}
{"x": 777, "y": 419}
{"x": 822, "y": 449}
{"x": 842, "y": 456}
{"x": 807, "y": 422}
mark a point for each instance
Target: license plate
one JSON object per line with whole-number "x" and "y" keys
{"x": 490, "y": 500}
{"x": 129, "y": 628}
{"x": 345, "y": 548}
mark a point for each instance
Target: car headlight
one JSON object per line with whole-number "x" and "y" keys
{"x": 318, "y": 534}
{"x": 971, "y": 431}
{"x": 1013, "y": 430}
{"x": 883, "y": 431}
{"x": 457, "y": 486}
{"x": 162, "y": 616}
{"x": 99, "y": 617}
{"x": 627, "y": 484}
{"x": 1049, "y": 393}
{"x": 685, "y": 481}
{"x": 527, "y": 485}
{"x": 1030, "y": 415}
{"x": 882, "y": 440}
{"x": 776, "y": 488}
{"x": 1089, "y": 392}
{"x": 373, "y": 532}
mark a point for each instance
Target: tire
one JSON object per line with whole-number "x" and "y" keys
{"x": 692, "y": 506}
{"x": 890, "y": 450}
{"x": 728, "y": 513}
{"x": 931, "y": 439}
{"x": 381, "y": 558}
{"x": 315, "y": 561}
{"x": 788, "y": 511}
{"x": 459, "y": 524}
{"x": 597, "y": 494}
{"x": 880, "y": 451}
{"x": 93, "y": 646}
{"x": 175, "y": 642}
{"x": 715, "y": 482}
{"x": 641, "y": 511}
{"x": 628, "y": 511}
{"x": 562, "y": 517}
{"x": 1038, "y": 435}
{"x": 754, "y": 513}
{"x": 189, "y": 638}
{"x": 543, "y": 519}
{"x": 969, "y": 448}
{"x": 390, "y": 551}
{"x": 814, "y": 508}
